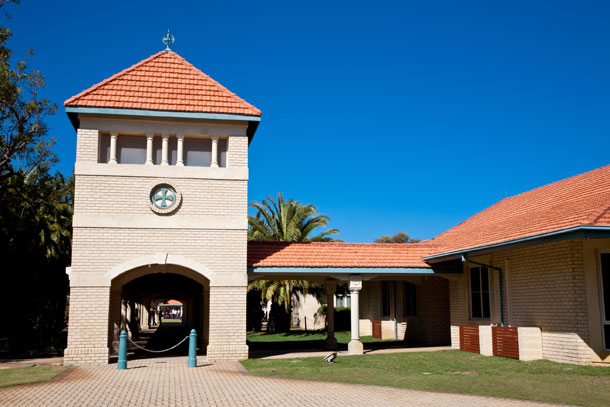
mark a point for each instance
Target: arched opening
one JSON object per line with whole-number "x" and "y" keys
{"x": 158, "y": 305}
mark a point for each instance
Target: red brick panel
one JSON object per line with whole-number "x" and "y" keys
{"x": 505, "y": 341}
{"x": 376, "y": 329}
{"x": 469, "y": 338}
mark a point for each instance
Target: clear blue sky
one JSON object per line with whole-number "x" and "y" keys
{"x": 388, "y": 116}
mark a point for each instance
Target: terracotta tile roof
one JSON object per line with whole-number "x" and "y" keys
{"x": 165, "y": 82}
{"x": 580, "y": 200}
{"x": 335, "y": 254}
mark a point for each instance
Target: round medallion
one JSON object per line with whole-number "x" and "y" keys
{"x": 164, "y": 198}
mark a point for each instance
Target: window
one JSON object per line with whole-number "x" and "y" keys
{"x": 479, "y": 293}
{"x": 131, "y": 149}
{"x": 410, "y": 300}
{"x": 222, "y": 152}
{"x": 104, "y": 151}
{"x": 343, "y": 300}
{"x": 197, "y": 152}
{"x": 385, "y": 298}
{"x": 605, "y": 286}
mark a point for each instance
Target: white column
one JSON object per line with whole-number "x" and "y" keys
{"x": 214, "y": 152}
{"x": 149, "y": 148}
{"x": 331, "y": 288}
{"x": 165, "y": 149}
{"x": 355, "y": 346}
{"x": 113, "y": 138}
{"x": 180, "y": 158}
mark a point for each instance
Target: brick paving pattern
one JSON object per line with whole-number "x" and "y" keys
{"x": 168, "y": 382}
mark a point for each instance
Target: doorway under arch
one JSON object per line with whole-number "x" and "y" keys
{"x": 137, "y": 293}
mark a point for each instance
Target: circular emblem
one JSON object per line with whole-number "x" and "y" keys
{"x": 164, "y": 198}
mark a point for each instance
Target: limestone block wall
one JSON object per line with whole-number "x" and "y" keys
{"x": 305, "y": 312}
{"x": 543, "y": 286}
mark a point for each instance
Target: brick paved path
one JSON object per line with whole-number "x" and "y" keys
{"x": 168, "y": 382}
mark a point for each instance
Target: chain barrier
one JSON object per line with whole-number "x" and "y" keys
{"x": 159, "y": 351}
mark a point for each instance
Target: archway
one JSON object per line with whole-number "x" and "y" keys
{"x": 138, "y": 293}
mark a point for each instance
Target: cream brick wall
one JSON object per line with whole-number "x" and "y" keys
{"x": 106, "y": 196}
{"x": 238, "y": 152}
{"x": 544, "y": 286}
{"x": 114, "y": 225}
{"x": 88, "y": 326}
{"x": 87, "y": 145}
{"x": 227, "y": 324}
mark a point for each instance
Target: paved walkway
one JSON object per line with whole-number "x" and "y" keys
{"x": 168, "y": 382}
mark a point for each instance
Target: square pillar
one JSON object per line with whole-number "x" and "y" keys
{"x": 227, "y": 327}
{"x": 331, "y": 341}
{"x": 88, "y": 333}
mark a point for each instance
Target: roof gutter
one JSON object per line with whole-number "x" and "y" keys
{"x": 253, "y": 121}
{"x": 581, "y": 231}
{"x": 476, "y": 263}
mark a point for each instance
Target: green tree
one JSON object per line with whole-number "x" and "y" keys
{"x": 400, "y": 237}
{"x": 35, "y": 215}
{"x": 286, "y": 220}
{"x": 24, "y": 141}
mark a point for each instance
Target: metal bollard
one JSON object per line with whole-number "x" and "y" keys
{"x": 122, "y": 365}
{"x": 192, "y": 349}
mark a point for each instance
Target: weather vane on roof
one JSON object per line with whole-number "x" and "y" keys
{"x": 168, "y": 40}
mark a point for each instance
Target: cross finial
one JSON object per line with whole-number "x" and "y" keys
{"x": 168, "y": 40}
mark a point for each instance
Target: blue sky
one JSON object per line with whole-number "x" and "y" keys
{"x": 388, "y": 116}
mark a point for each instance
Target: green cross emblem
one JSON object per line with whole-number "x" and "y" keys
{"x": 164, "y": 197}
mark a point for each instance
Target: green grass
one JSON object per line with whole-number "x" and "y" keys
{"x": 453, "y": 371}
{"x": 303, "y": 340}
{"x": 25, "y": 375}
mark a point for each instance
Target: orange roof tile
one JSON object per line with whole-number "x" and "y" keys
{"x": 165, "y": 82}
{"x": 580, "y": 200}
{"x": 335, "y": 254}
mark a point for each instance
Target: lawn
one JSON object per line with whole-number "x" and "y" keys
{"x": 24, "y": 375}
{"x": 453, "y": 371}
{"x": 306, "y": 340}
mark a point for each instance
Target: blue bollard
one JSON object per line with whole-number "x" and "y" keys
{"x": 122, "y": 365}
{"x": 192, "y": 349}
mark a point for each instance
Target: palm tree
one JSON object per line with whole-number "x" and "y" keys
{"x": 286, "y": 220}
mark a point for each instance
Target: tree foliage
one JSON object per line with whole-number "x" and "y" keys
{"x": 400, "y": 237}
{"x": 24, "y": 145}
{"x": 287, "y": 220}
{"x": 35, "y": 215}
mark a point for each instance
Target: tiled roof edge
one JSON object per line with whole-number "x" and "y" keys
{"x": 112, "y": 78}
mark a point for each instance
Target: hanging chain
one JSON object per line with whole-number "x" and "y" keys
{"x": 159, "y": 351}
